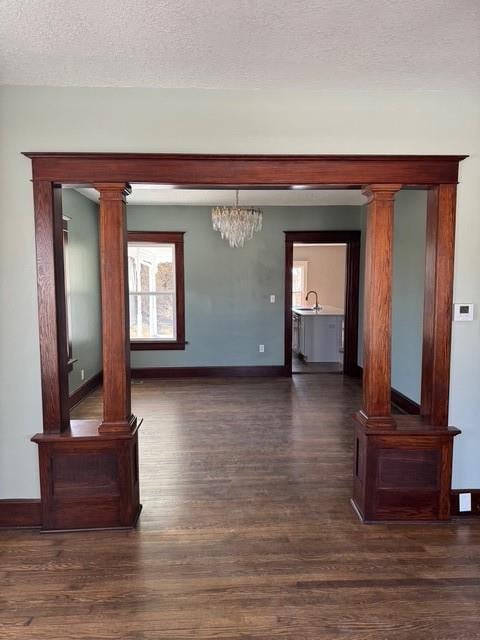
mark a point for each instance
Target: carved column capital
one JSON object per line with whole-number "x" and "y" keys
{"x": 380, "y": 191}
{"x": 113, "y": 190}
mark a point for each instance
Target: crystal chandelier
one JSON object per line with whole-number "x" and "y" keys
{"x": 237, "y": 224}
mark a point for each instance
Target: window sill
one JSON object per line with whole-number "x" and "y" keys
{"x": 152, "y": 345}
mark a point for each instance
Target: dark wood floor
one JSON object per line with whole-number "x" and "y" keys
{"x": 246, "y": 533}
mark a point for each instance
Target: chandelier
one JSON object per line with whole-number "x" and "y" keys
{"x": 237, "y": 224}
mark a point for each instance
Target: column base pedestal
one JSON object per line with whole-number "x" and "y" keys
{"x": 375, "y": 422}
{"x": 402, "y": 474}
{"x": 88, "y": 480}
{"x": 123, "y": 426}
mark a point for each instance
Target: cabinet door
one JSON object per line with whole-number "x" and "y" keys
{"x": 302, "y": 337}
{"x": 295, "y": 341}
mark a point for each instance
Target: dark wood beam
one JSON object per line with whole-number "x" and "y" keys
{"x": 247, "y": 170}
{"x": 437, "y": 315}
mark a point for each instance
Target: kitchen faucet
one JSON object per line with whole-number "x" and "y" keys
{"x": 316, "y": 305}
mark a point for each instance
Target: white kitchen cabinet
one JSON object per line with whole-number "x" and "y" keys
{"x": 317, "y": 336}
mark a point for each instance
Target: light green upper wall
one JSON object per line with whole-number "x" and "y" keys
{"x": 196, "y": 121}
{"x": 84, "y": 279}
{"x": 227, "y": 308}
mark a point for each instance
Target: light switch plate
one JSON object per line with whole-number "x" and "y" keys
{"x": 272, "y": 298}
{"x": 463, "y": 311}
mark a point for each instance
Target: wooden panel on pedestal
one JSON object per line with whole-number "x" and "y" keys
{"x": 403, "y": 474}
{"x": 89, "y": 480}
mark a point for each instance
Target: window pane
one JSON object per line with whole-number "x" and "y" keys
{"x": 151, "y": 267}
{"x": 296, "y": 279}
{"x": 152, "y": 316}
{"x": 145, "y": 270}
{"x": 165, "y": 276}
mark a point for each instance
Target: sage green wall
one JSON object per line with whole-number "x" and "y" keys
{"x": 84, "y": 278}
{"x": 198, "y": 121}
{"x": 410, "y": 212}
{"x": 408, "y": 287}
{"x": 228, "y": 311}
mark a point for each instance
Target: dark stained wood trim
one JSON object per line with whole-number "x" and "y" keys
{"x": 52, "y": 314}
{"x": 405, "y": 403}
{"x": 153, "y": 345}
{"x": 352, "y": 289}
{"x": 288, "y": 320}
{"x": 168, "y": 237}
{"x": 327, "y": 236}
{"x": 437, "y": 314}
{"x": 352, "y": 239}
{"x": 455, "y": 503}
{"x": 86, "y": 388}
{"x": 176, "y": 238}
{"x": 210, "y": 372}
{"x": 20, "y": 513}
{"x": 243, "y": 170}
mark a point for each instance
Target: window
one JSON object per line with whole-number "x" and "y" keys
{"x": 156, "y": 290}
{"x": 299, "y": 282}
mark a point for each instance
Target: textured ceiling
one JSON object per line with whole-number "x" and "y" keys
{"x": 211, "y": 197}
{"x": 312, "y": 44}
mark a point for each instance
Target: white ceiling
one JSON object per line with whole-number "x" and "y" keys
{"x": 210, "y": 197}
{"x": 313, "y": 44}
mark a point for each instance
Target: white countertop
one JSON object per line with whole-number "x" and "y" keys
{"x": 325, "y": 310}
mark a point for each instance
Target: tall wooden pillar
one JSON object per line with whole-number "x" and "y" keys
{"x": 402, "y": 464}
{"x": 51, "y": 306}
{"x": 377, "y": 324}
{"x": 437, "y": 315}
{"x": 88, "y": 471}
{"x": 117, "y": 414}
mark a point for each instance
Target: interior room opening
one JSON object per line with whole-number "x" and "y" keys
{"x": 318, "y": 307}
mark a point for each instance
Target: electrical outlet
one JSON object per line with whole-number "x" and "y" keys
{"x": 261, "y": 348}
{"x": 82, "y": 374}
{"x": 465, "y": 502}
{"x": 272, "y": 298}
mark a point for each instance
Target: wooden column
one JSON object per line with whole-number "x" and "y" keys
{"x": 437, "y": 316}
{"x": 117, "y": 415}
{"x": 51, "y": 306}
{"x": 377, "y": 312}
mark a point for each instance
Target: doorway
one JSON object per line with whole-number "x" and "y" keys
{"x": 318, "y": 307}
{"x": 321, "y": 307}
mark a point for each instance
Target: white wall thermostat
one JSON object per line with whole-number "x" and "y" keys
{"x": 463, "y": 311}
